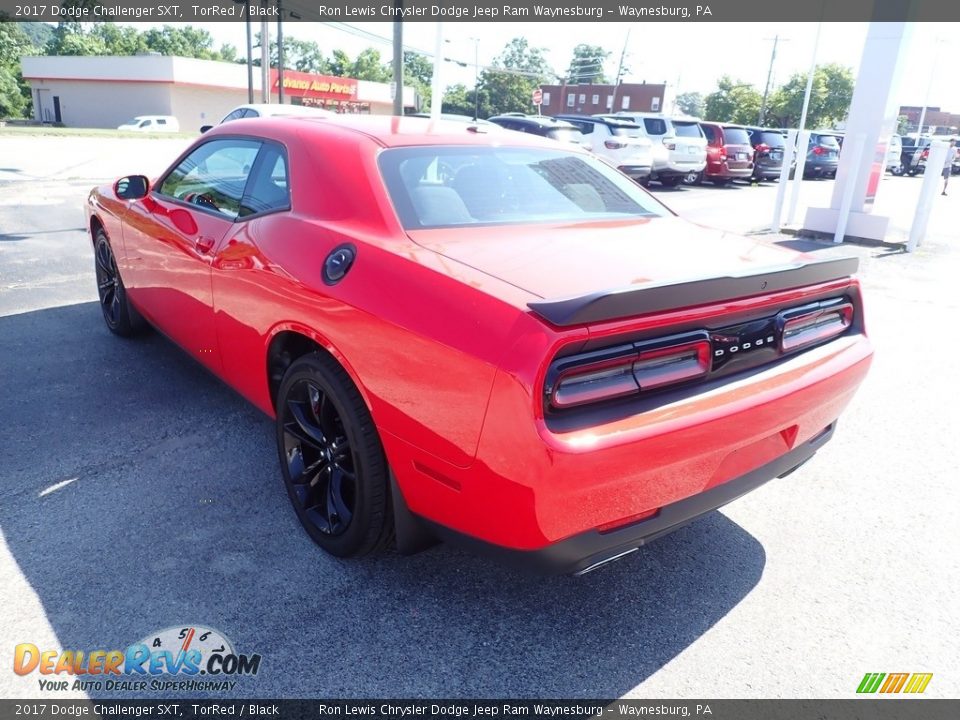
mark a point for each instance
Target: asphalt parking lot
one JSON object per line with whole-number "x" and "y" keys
{"x": 137, "y": 493}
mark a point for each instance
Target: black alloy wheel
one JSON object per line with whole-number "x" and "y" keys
{"x": 121, "y": 317}
{"x": 332, "y": 459}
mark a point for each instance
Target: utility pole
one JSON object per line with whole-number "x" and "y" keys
{"x": 265, "y": 58}
{"x": 766, "y": 89}
{"x": 398, "y": 59}
{"x": 623, "y": 55}
{"x": 280, "y": 50}
{"x": 476, "y": 77}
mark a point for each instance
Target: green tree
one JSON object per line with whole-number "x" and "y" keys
{"x": 691, "y": 103}
{"x": 830, "y": 96}
{"x": 735, "y": 102}
{"x": 39, "y": 33}
{"x": 184, "y": 41}
{"x": 418, "y": 73}
{"x": 369, "y": 66}
{"x": 14, "y": 92}
{"x": 119, "y": 39}
{"x": 69, "y": 38}
{"x": 509, "y": 84}
{"x": 586, "y": 65}
{"x": 903, "y": 125}
{"x": 456, "y": 100}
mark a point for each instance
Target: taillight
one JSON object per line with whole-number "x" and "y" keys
{"x": 630, "y": 369}
{"x": 806, "y": 326}
{"x": 763, "y": 147}
{"x": 647, "y": 366}
{"x": 614, "y": 144}
{"x": 723, "y": 153}
{"x": 665, "y": 366}
{"x": 925, "y": 155}
{"x": 670, "y": 145}
{"x": 819, "y": 150}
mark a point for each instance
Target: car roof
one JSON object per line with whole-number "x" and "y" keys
{"x": 387, "y": 130}
{"x": 605, "y": 119}
{"x": 278, "y": 109}
{"x": 542, "y": 121}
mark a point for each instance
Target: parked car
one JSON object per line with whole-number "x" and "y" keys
{"x": 534, "y": 357}
{"x": 921, "y": 152}
{"x": 151, "y": 123}
{"x": 617, "y": 141}
{"x": 539, "y": 125}
{"x": 729, "y": 153}
{"x": 823, "y": 155}
{"x": 679, "y": 145}
{"x": 769, "y": 146}
{"x": 255, "y": 110}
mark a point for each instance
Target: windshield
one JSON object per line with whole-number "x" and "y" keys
{"x": 435, "y": 187}
{"x": 687, "y": 129}
{"x": 565, "y": 134}
{"x": 829, "y": 141}
{"x": 735, "y": 136}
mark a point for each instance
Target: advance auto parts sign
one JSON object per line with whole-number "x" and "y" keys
{"x": 301, "y": 84}
{"x": 184, "y": 658}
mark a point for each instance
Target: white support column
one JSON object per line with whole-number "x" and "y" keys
{"x": 436, "y": 86}
{"x": 873, "y": 113}
{"x": 931, "y": 183}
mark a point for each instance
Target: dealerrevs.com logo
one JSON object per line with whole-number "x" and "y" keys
{"x": 185, "y": 658}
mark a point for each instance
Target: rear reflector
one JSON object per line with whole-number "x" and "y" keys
{"x": 815, "y": 326}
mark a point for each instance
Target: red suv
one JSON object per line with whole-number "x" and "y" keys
{"x": 729, "y": 153}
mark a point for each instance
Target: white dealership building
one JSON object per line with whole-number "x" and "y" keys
{"x": 105, "y": 91}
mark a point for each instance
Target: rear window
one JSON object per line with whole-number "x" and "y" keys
{"x": 433, "y": 187}
{"x": 687, "y": 129}
{"x": 769, "y": 138}
{"x": 655, "y": 126}
{"x": 565, "y": 134}
{"x": 735, "y": 136}
{"x": 828, "y": 141}
{"x": 625, "y": 130}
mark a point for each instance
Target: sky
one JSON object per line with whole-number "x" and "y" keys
{"x": 688, "y": 56}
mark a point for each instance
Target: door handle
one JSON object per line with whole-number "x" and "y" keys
{"x": 204, "y": 244}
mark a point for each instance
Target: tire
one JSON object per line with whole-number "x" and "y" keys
{"x": 897, "y": 169}
{"x": 720, "y": 182}
{"x": 672, "y": 181}
{"x": 644, "y": 182}
{"x": 332, "y": 460}
{"x": 119, "y": 315}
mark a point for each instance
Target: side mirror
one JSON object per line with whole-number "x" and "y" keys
{"x": 132, "y": 187}
{"x": 204, "y": 128}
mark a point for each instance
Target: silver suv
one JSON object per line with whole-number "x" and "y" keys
{"x": 679, "y": 145}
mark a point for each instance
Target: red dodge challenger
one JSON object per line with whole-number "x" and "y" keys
{"x": 482, "y": 337}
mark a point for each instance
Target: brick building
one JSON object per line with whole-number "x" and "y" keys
{"x": 946, "y": 123}
{"x": 592, "y": 99}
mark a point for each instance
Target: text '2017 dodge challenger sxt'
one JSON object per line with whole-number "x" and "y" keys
{"x": 481, "y": 337}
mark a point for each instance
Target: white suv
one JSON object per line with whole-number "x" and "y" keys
{"x": 618, "y": 141}
{"x": 679, "y": 145}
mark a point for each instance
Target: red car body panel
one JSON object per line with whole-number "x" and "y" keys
{"x": 434, "y": 329}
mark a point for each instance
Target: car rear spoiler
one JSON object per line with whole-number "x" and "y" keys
{"x": 627, "y": 302}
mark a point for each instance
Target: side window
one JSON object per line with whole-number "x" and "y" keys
{"x": 235, "y": 115}
{"x": 269, "y": 186}
{"x": 585, "y": 127}
{"x": 161, "y": 121}
{"x": 711, "y": 134}
{"x": 213, "y": 176}
{"x": 145, "y": 123}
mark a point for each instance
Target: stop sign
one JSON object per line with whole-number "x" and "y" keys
{"x": 537, "y": 96}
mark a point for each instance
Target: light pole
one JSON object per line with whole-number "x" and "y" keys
{"x": 476, "y": 77}
{"x": 249, "y": 51}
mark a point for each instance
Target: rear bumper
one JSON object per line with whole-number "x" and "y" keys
{"x": 589, "y": 550}
{"x": 637, "y": 172}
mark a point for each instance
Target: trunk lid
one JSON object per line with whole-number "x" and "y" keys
{"x": 563, "y": 260}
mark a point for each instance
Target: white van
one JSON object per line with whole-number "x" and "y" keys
{"x": 151, "y": 123}
{"x": 679, "y": 145}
